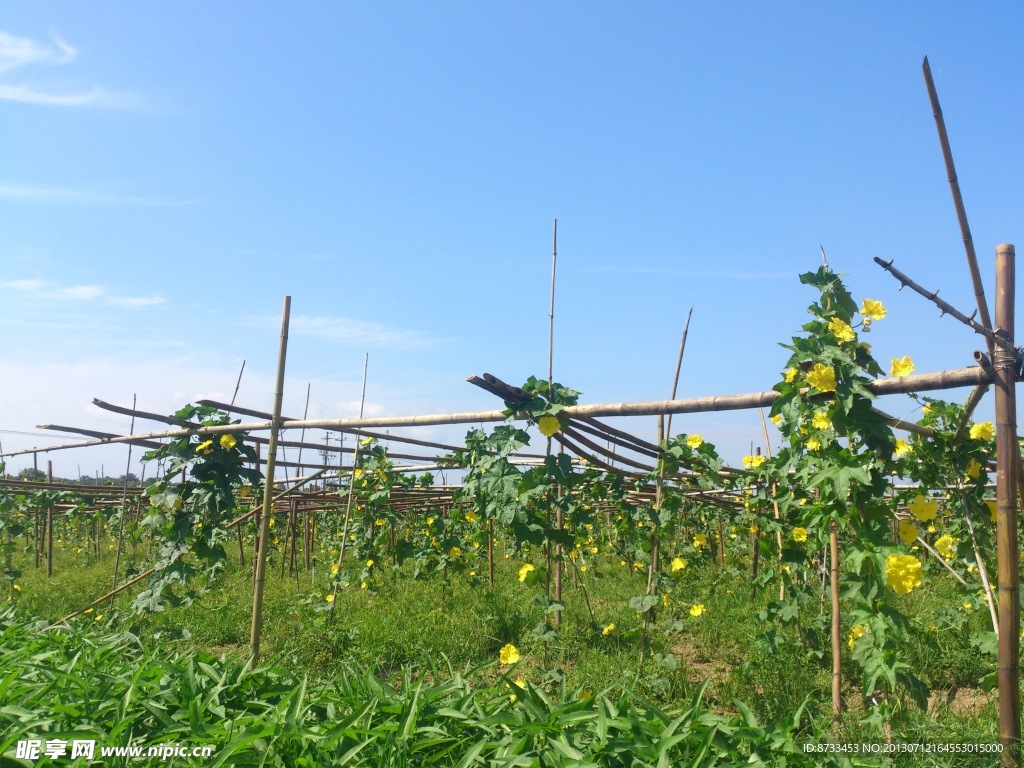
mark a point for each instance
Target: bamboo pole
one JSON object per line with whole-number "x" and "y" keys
{"x": 268, "y": 493}
{"x": 924, "y": 382}
{"x": 958, "y": 200}
{"x": 837, "y": 640}
{"x": 551, "y": 394}
{"x": 124, "y": 499}
{"x": 351, "y": 489}
{"x": 1007, "y": 451}
{"x": 49, "y": 524}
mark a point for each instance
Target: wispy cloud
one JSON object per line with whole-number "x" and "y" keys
{"x": 46, "y": 291}
{"x": 353, "y": 333}
{"x": 738, "y": 274}
{"x": 18, "y": 53}
{"x": 41, "y": 193}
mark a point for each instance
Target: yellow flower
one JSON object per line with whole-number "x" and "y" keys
{"x": 678, "y": 564}
{"x": 358, "y": 473}
{"x": 695, "y": 441}
{"x": 927, "y": 409}
{"x": 366, "y": 441}
{"x": 973, "y": 469}
{"x": 821, "y": 420}
{"x": 454, "y": 552}
{"x": 923, "y": 507}
{"x": 228, "y": 441}
{"x": 700, "y": 540}
{"x": 363, "y": 585}
{"x": 548, "y": 425}
{"x": 608, "y": 630}
{"x": 697, "y": 610}
{"x": 968, "y": 606}
{"x": 903, "y": 573}
{"x": 777, "y": 419}
{"x": 334, "y": 570}
{"x": 790, "y": 375}
{"x": 330, "y": 598}
{"x": 822, "y": 378}
{"x": 471, "y": 516}
{"x": 901, "y": 366}
{"x": 753, "y": 462}
{"x": 982, "y": 431}
{"x": 509, "y": 654}
{"x": 873, "y": 309}
{"x": 945, "y": 545}
{"x": 841, "y": 330}
{"x": 908, "y": 532}
{"x": 993, "y": 515}
{"x": 857, "y": 632}
{"x": 98, "y": 617}
{"x": 525, "y": 571}
{"x": 17, "y": 588}
{"x": 814, "y": 444}
{"x": 206, "y": 447}
{"x": 902, "y": 448}
{"x": 799, "y": 534}
{"x": 369, "y": 563}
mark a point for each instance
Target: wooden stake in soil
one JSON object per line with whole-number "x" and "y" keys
{"x": 268, "y": 493}
{"x": 351, "y": 488}
{"x": 837, "y": 640}
{"x": 124, "y": 499}
{"x": 1007, "y": 452}
{"x": 49, "y": 524}
{"x": 551, "y": 385}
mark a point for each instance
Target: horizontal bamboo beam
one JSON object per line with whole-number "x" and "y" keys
{"x": 924, "y": 382}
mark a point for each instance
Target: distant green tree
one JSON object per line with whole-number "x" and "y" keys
{"x": 32, "y": 475}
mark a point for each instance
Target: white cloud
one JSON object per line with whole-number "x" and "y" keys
{"x": 43, "y": 290}
{"x": 353, "y": 333}
{"x": 21, "y": 52}
{"x": 41, "y": 193}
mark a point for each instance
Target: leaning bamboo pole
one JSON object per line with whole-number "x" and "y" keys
{"x": 268, "y": 493}
{"x": 1007, "y": 453}
{"x": 958, "y": 200}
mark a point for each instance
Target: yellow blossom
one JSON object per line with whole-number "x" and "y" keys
{"x": 821, "y": 420}
{"x": 228, "y": 441}
{"x": 841, "y": 330}
{"x": 873, "y": 309}
{"x": 366, "y": 441}
{"x": 901, "y": 366}
{"x": 17, "y": 588}
{"x": 525, "y": 571}
{"x": 700, "y": 540}
{"x": 678, "y": 564}
{"x": 903, "y": 573}
{"x": 608, "y": 630}
{"x": 992, "y": 514}
{"x": 973, "y": 469}
{"x": 753, "y": 462}
{"x": 945, "y": 546}
{"x": 777, "y": 419}
{"x": 822, "y": 378}
{"x": 205, "y": 447}
{"x": 471, "y": 516}
{"x": 697, "y": 610}
{"x": 548, "y": 425}
{"x": 790, "y": 375}
{"x": 330, "y": 598}
{"x": 98, "y": 617}
{"x": 799, "y": 534}
{"x": 902, "y": 448}
{"x": 857, "y": 632}
{"x": 369, "y": 563}
{"x": 695, "y": 441}
{"x": 927, "y": 409}
{"x": 923, "y": 507}
{"x": 814, "y": 444}
{"x": 908, "y": 532}
{"x": 334, "y": 570}
{"x": 358, "y": 473}
{"x": 508, "y": 654}
{"x": 982, "y": 431}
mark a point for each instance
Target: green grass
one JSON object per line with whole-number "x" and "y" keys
{"x": 400, "y": 627}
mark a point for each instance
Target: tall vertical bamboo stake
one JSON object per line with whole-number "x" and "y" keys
{"x": 958, "y": 201}
{"x": 1006, "y": 513}
{"x": 124, "y": 500}
{"x": 49, "y": 524}
{"x": 679, "y": 365}
{"x": 837, "y": 640}
{"x": 268, "y": 492}
{"x": 351, "y": 489}
{"x": 775, "y": 502}
{"x": 298, "y": 471}
{"x": 238, "y": 529}
{"x": 490, "y": 553}
{"x": 551, "y": 386}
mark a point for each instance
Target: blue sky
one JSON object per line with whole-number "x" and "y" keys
{"x": 170, "y": 174}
